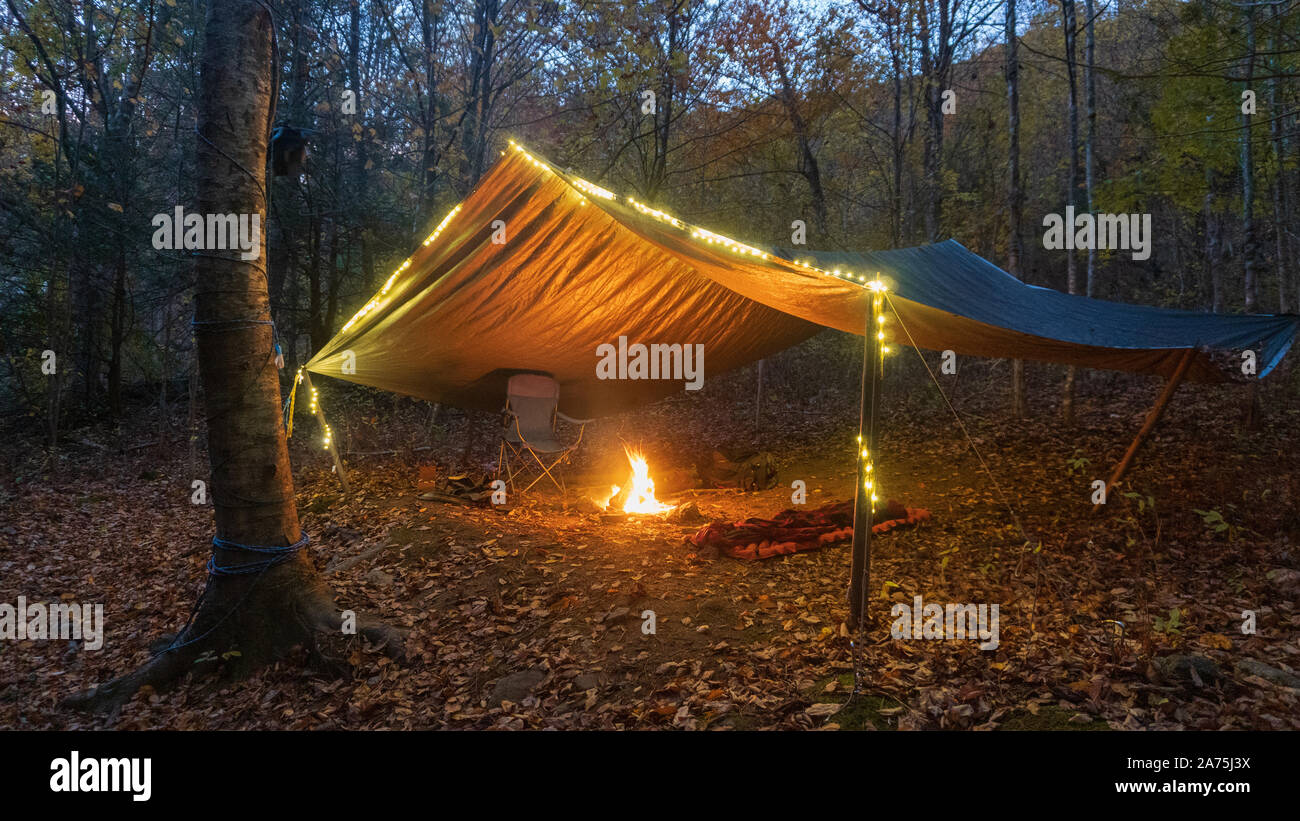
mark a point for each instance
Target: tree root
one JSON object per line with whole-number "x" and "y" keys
{"x": 245, "y": 623}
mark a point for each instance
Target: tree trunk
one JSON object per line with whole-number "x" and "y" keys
{"x": 1249, "y": 252}
{"x": 1248, "y": 178}
{"x": 117, "y": 333}
{"x": 1090, "y": 113}
{"x": 264, "y": 613}
{"x": 1014, "y": 196}
{"x": 931, "y": 149}
{"x": 1279, "y": 200}
{"x": 479, "y": 103}
{"x": 57, "y": 321}
{"x": 1072, "y": 187}
{"x": 315, "y": 291}
{"x": 334, "y": 276}
{"x": 808, "y": 165}
{"x": 1212, "y": 246}
{"x": 431, "y": 30}
{"x": 360, "y": 174}
{"x": 88, "y": 308}
{"x": 896, "y": 137}
{"x": 1280, "y": 196}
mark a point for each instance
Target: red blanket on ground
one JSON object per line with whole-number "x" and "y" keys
{"x": 794, "y": 531}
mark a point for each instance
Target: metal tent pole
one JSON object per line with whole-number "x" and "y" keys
{"x": 863, "y": 503}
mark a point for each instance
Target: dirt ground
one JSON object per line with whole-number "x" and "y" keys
{"x": 533, "y": 615}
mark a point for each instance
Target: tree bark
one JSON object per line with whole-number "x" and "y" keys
{"x": 117, "y": 332}
{"x": 808, "y": 165}
{"x": 1250, "y": 246}
{"x": 1279, "y": 199}
{"x": 262, "y": 614}
{"x": 1014, "y": 195}
{"x": 478, "y": 106}
{"x": 1280, "y": 189}
{"x": 1090, "y": 114}
{"x": 360, "y": 174}
{"x": 930, "y": 149}
{"x": 897, "y": 140}
{"x": 1072, "y": 187}
{"x": 431, "y": 33}
{"x": 1213, "y": 245}
{"x": 1250, "y": 250}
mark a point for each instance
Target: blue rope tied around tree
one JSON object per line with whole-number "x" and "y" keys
{"x": 272, "y": 555}
{"x": 219, "y": 325}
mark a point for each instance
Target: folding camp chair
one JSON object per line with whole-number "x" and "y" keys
{"x": 528, "y": 443}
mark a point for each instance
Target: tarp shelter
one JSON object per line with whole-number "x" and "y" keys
{"x": 537, "y": 268}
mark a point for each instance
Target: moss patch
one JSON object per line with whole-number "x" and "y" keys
{"x": 1048, "y": 718}
{"x": 858, "y": 712}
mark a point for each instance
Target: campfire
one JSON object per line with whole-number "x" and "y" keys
{"x": 639, "y": 495}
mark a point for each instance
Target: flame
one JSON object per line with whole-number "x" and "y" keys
{"x": 604, "y": 500}
{"x": 641, "y": 494}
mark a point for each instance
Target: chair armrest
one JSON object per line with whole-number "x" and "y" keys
{"x": 573, "y": 421}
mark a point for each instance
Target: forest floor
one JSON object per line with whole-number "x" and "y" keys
{"x": 530, "y": 615}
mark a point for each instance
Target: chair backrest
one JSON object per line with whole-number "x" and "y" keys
{"x": 533, "y": 398}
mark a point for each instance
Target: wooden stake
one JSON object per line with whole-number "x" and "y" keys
{"x": 860, "y": 568}
{"x": 1153, "y": 416}
{"x": 334, "y": 451}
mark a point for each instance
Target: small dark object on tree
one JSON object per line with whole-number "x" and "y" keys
{"x": 289, "y": 150}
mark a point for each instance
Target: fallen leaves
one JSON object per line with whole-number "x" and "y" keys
{"x": 489, "y": 595}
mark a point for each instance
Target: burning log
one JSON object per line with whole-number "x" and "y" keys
{"x": 637, "y": 493}
{"x": 619, "y": 499}
{"x": 641, "y": 488}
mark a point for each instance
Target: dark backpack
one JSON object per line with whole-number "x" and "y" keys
{"x": 745, "y": 470}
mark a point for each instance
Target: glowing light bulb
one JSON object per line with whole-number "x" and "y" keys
{"x": 594, "y": 190}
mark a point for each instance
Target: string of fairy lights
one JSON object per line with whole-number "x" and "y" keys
{"x": 324, "y": 425}
{"x": 584, "y": 188}
{"x": 587, "y": 189}
{"x": 877, "y": 289}
{"x": 392, "y": 280}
